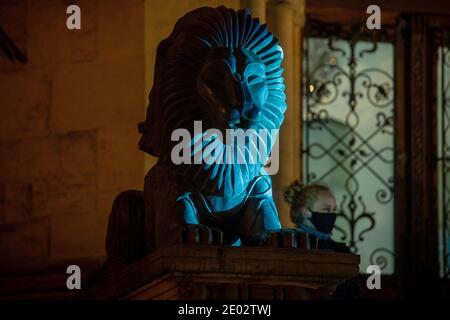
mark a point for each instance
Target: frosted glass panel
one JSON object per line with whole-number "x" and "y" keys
{"x": 348, "y": 140}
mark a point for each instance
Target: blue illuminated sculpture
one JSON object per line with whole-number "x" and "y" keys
{"x": 223, "y": 68}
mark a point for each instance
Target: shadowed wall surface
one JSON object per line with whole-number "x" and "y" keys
{"x": 68, "y": 121}
{"x": 68, "y": 136}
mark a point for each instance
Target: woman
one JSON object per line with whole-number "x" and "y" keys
{"x": 313, "y": 210}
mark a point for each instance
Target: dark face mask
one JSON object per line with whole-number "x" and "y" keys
{"x": 324, "y": 222}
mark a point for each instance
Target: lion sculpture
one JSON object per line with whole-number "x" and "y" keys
{"x": 220, "y": 68}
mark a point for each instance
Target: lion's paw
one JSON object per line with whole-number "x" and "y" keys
{"x": 201, "y": 234}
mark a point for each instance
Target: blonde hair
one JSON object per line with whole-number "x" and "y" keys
{"x": 301, "y": 196}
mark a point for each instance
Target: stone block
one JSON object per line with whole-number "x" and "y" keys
{"x": 15, "y": 202}
{"x": 24, "y": 245}
{"x": 65, "y": 195}
{"x": 26, "y": 99}
{"x": 13, "y": 15}
{"x": 73, "y": 189}
{"x": 121, "y": 29}
{"x": 80, "y": 234}
{"x": 121, "y": 163}
{"x": 24, "y": 160}
{"x": 93, "y": 95}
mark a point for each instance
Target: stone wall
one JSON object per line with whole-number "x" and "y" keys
{"x": 68, "y": 121}
{"x": 68, "y": 135}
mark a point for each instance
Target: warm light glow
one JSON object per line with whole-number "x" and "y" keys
{"x": 333, "y": 61}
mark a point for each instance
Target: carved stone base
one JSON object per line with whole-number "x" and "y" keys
{"x": 216, "y": 272}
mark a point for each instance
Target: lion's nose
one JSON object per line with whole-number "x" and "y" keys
{"x": 250, "y": 110}
{"x": 252, "y": 114}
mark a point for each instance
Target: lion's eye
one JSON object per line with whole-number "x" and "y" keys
{"x": 254, "y": 79}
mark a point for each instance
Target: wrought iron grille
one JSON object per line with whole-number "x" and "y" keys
{"x": 348, "y": 133}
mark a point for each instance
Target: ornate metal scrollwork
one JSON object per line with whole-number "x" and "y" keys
{"x": 351, "y": 152}
{"x": 381, "y": 257}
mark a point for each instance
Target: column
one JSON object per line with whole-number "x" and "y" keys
{"x": 285, "y": 19}
{"x": 256, "y": 7}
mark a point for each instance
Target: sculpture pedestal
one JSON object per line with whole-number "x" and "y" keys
{"x": 216, "y": 272}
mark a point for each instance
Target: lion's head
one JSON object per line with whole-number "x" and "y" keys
{"x": 220, "y": 67}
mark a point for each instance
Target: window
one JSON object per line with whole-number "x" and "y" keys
{"x": 348, "y": 134}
